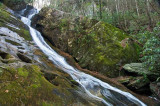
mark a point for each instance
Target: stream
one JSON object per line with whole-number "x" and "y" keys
{"x": 92, "y": 87}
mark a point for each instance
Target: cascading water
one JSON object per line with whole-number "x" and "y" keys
{"x": 93, "y": 87}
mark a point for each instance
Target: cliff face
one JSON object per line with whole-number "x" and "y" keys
{"x": 95, "y": 45}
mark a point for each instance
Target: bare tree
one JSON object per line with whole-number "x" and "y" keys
{"x": 137, "y": 8}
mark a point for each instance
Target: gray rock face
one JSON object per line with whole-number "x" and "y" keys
{"x": 137, "y": 68}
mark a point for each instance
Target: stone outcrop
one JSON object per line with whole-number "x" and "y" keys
{"x": 138, "y": 69}
{"x": 94, "y": 45}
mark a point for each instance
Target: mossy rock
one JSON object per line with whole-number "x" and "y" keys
{"x": 95, "y": 45}
{"x": 7, "y": 17}
{"x": 139, "y": 69}
{"x": 26, "y": 85}
{"x": 12, "y": 42}
{"x": 23, "y": 85}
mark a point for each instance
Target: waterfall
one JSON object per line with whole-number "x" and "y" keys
{"x": 93, "y": 87}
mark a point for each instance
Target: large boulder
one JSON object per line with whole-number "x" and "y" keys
{"x": 138, "y": 69}
{"x": 94, "y": 45}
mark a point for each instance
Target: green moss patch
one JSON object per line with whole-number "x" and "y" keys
{"x": 12, "y": 42}
{"x": 25, "y": 85}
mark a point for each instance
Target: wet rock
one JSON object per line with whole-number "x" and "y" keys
{"x": 29, "y": 8}
{"x": 138, "y": 69}
{"x": 24, "y": 58}
{"x": 12, "y": 42}
{"x": 74, "y": 82}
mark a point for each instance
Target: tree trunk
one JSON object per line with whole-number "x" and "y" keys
{"x": 137, "y": 8}
{"x": 148, "y": 14}
{"x": 116, "y": 6}
{"x": 100, "y": 9}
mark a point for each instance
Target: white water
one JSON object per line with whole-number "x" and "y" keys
{"x": 93, "y": 87}
{"x": 38, "y": 4}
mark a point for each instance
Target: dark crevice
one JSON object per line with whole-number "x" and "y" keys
{"x": 24, "y": 58}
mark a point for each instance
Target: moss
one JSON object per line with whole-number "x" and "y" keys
{"x": 48, "y": 104}
{"x": 100, "y": 47}
{"x": 12, "y": 42}
{"x": 6, "y": 17}
{"x": 24, "y": 85}
{"x": 24, "y": 33}
{"x": 95, "y": 45}
{"x": 23, "y": 72}
{"x": 27, "y": 85}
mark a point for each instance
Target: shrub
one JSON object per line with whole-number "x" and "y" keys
{"x": 151, "y": 49}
